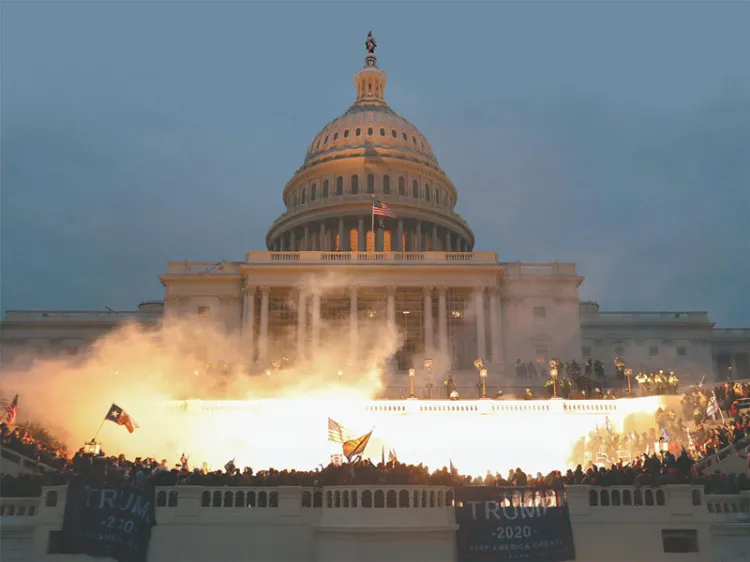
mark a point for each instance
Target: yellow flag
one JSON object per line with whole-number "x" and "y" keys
{"x": 355, "y": 447}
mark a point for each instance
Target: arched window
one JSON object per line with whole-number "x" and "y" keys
{"x": 337, "y": 498}
{"x": 335, "y": 135}
{"x": 382, "y": 132}
{"x": 367, "y": 498}
{"x": 228, "y": 499}
{"x": 427, "y": 191}
{"x": 161, "y": 499}
{"x": 370, "y": 183}
{"x": 605, "y": 498}
{"x": 660, "y": 499}
{"x": 216, "y": 501}
{"x": 386, "y": 184}
{"x": 339, "y": 185}
{"x": 649, "y": 495}
{"x": 355, "y": 185}
{"x": 262, "y": 499}
{"x": 627, "y": 497}
{"x": 314, "y": 192}
{"x": 306, "y": 499}
{"x": 391, "y": 499}
{"x": 593, "y": 497}
{"x": 358, "y": 131}
{"x": 403, "y": 498}
{"x": 325, "y": 140}
{"x": 437, "y": 196}
{"x": 250, "y": 500}
{"x": 318, "y": 499}
{"x": 393, "y": 133}
{"x": 448, "y": 499}
{"x": 401, "y": 186}
{"x": 345, "y": 498}
{"x": 403, "y": 136}
{"x": 414, "y": 189}
{"x": 355, "y": 498}
{"x": 239, "y": 499}
{"x": 206, "y": 499}
{"x": 369, "y": 131}
{"x": 273, "y": 499}
{"x": 325, "y": 189}
{"x": 172, "y": 498}
{"x": 379, "y": 498}
{"x": 346, "y": 133}
{"x": 615, "y": 497}
{"x": 302, "y": 196}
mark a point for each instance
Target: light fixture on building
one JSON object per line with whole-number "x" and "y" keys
{"x": 428, "y": 363}
{"x": 372, "y": 313}
{"x": 196, "y": 373}
{"x": 412, "y": 376}
{"x": 628, "y": 374}
{"x": 455, "y": 314}
{"x": 483, "y": 376}
{"x": 268, "y": 372}
{"x": 340, "y": 373}
{"x": 553, "y": 376}
{"x": 479, "y": 364}
{"x": 405, "y": 312}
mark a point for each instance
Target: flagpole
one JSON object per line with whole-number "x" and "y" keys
{"x": 718, "y": 407}
{"x": 372, "y": 216}
{"x": 102, "y": 424}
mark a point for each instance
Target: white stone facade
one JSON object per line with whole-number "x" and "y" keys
{"x": 397, "y": 523}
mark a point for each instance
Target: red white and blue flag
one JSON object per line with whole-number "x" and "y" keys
{"x": 380, "y": 209}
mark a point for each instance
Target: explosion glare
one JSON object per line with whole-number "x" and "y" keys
{"x": 279, "y": 419}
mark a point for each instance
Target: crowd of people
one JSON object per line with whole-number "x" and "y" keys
{"x": 664, "y": 454}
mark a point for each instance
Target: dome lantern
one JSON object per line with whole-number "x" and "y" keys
{"x": 370, "y": 81}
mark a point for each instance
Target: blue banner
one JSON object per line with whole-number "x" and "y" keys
{"x": 109, "y": 522}
{"x": 513, "y": 524}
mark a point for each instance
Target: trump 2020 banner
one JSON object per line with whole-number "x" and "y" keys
{"x": 513, "y": 524}
{"x": 109, "y": 522}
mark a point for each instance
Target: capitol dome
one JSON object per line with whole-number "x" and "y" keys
{"x": 370, "y": 155}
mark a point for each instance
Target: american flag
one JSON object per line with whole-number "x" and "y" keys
{"x": 338, "y": 433}
{"x": 713, "y": 407}
{"x": 10, "y": 413}
{"x": 382, "y": 210}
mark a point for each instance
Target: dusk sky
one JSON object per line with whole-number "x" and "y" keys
{"x": 615, "y": 135}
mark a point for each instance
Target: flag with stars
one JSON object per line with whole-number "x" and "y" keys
{"x": 121, "y": 417}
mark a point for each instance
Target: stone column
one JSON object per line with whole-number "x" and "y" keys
{"x": 361, "y": 236}
{"x": 391, "y": 312}
{"x": 448, "y": 241}
{"x": 419, "y": 237}
{"x": 379, "y": 237}
{"x": 322, "y": 237}
{"x": 399, "y": 245}
{"x": 496, "y": 338}
{"x": 282, "y": 243}
{"x": 263, "y": 343}
{"x": 353, "y": 322}
{"x": 481, "y": 333}
{"x": 292, "y": 241}
{"x": 248, "y": 322}
{"x": 315, "y": 322}
{"x": 443, "y": 319}
{"x": 435, "y": 240}
{"x": 429, "y": 331}
{"x": 306, "y": 239}
{"x": 343, "y": 244}
{"x": 301, "y": 323}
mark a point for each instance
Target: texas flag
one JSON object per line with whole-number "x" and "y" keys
{"x": 121, "y": 417}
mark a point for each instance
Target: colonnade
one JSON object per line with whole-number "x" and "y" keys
{"x": 334, "y": 236}
{"x": 249, "y": 341}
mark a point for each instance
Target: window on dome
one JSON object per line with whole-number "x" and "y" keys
{"x": 421, "y": 143}
{"x": 317, "y": 145}
{"x": 325, "y": 140}
{"x": 415, "y": 189}
{"x": 403, "y": 135}
{"x": 355, "y": 184}
{"x": 358, "y": 131}
{"x": 382, "y": 132}
{"x": 387, "y": 184}
{"x": 401, "y": 186}
{"x": 313, "y": 192}
{"x": 437, "y": 196}
{"x": 414, "y": 139}
{"x": 369, "y": 131}
{"x": 427, "y": 191}
{"x": 339, "y": 185}
{"x": 325, "y": 189}
{"x": 393, "y": 133}
{"x": 335, "y": 135}
{"x": 302, "y": 196}
{"x": 346, "y": 133}
{"x": 370, "y": 183}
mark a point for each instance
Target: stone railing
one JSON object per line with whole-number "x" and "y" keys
{"x": 333, "y": 258}
{"x": 730, "y": 334}
{"x": 77, "y": 315}
{"x": 465, "y": 407}
{"x": 729, "y": 506}
{"x": 542, "y": 269}
{"x": 23, "y": 462}
{"x": 650, "y": 317}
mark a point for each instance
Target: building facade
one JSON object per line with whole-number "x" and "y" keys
{"x": 373, "y": 523}
{"x": 336, "y": 272}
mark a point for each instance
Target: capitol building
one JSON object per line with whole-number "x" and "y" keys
{"x": 333, "y": 270}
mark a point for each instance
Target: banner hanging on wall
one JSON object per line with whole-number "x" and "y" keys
{"x": 498, "y": 524}
{"x": 109, "y": 522}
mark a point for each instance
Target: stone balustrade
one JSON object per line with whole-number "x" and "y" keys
{"x": 363, "y": 258}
